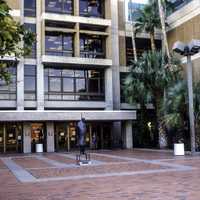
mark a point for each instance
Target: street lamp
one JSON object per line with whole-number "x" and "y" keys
{"x": 188, "y": 50}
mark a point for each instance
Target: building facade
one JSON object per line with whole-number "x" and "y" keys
{"x": 73, "y": 71}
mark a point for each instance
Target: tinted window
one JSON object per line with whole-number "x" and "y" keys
{"x": 29, "y": 8}
{"x": 30, "y": 82}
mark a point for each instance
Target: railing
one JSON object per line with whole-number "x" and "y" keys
{"x": 92, "y": 54}
{"x": 57, "y": 96}
{"x": 61, "y": 11}
{"x": 66, "y": 53}
{"x": 87, "y": 14}
{"x": 6, "y": 95}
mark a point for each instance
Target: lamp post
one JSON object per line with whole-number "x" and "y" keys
{"x": 188, "y": 50}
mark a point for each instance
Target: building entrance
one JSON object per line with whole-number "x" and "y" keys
{"x": 98, "y": 136}
{"x": 38, "y": 136}
{"x": 11, "y": 138}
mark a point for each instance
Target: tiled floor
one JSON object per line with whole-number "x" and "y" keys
{"x": 120, "y": 175}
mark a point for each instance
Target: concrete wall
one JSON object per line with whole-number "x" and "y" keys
{"x": 50, "y": 137}
{"x": 27, "y": 137}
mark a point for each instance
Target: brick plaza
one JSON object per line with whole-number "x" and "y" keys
{"x": 119, "y": 174}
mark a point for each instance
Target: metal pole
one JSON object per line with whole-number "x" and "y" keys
{"x": 191, "y": 107}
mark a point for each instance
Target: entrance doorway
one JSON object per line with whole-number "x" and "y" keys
{"x": 101, "y": 136}
{"x": 11, "y": 138}
{"x": 38, "y": 136}
{"x": 98, "y": 136}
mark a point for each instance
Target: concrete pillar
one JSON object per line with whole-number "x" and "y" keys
{"x": 115, "y": 55}
{"x": 20, "y": 69}
{"x": 108, "y": 89}
{"x": 76, "y": 7}
{"x": 50, "y": 137}
{"x": 77, "y": 41}
{"x": 27, "y": 138}
{"x": 20, "y": 85}
{"x": 128, "y": 135}
{"x": 40, "y": 67}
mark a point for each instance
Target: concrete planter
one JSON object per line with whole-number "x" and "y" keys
{"x": 39, "y": 148}
{"x": 179, "y": 149}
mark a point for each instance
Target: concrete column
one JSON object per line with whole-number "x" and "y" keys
{"x": 108, "y": 89}
{"x": 76, "y": 7}
{"x": 77, "y": 41}
{"x": 27, "y": 138}
{"x": 20, "y": 85}
{"x": 20, "y": 69}
{"x": 115, "y": 55}
{"x": 50, "y": 137}
{"x": 129, "y": 135}
{"x": 40, "y": 67}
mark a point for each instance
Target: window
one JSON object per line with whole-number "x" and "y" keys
{"x": 123, "y": 76}
{"x": 142, "y": 45}
{"x": 92, "y": 46}
{"x": 30, "y": 82}
{"x": 29, "y": 8}
{"x": 59, "y": 6}
{"x": 8, "y": 91}
{"x": 58, "y": 44}
{"x": 67, "y": 84}
{"x": 32, "y": 28}
{"x": 92, "y": 8}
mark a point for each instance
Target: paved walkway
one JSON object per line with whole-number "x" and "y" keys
{"x": 119, "y": 174}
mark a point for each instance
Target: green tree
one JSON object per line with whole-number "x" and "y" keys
{"x": 176, "y": 108}
{"x": 148, "y": 21}
{"x": 148, "y": 78}
{"x": 12, "y": 36}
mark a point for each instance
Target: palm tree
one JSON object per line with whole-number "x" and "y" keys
{"x": 148, "y": 22}
{"x": 133, "y": 32}
{"x": 163, "y": 26}
{"x": 148, "y": 78}
{"x": 176, "y": 105}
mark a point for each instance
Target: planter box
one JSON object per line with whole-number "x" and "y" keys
{"x": 39, "y": 148}
{"x": 179, "y": 149}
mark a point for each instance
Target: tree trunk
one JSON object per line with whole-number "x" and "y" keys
{"x": 162, "y": 139}
{"x": 152, "y": 38}
{"x": 162, "y": 20}
{"x": 133, "y": 35}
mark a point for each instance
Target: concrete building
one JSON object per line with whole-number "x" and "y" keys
{"x": 184, "y": 25}
{"x": 72, "y": 72}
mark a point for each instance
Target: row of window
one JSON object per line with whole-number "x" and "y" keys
{"x": 62, "y": 44}
{"x": 87, "y": 8}
{"x": 59, "y": 84}
{"x": 81, "y": 85}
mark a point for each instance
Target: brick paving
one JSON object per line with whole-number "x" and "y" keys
{"x": 155, "y": 185}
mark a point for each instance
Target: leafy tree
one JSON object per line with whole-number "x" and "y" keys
{"x": 12, "y": 36}
{"x": 148, "y": 78}
{"x": 148, "y": 21}
{"x": 176, "y": 107}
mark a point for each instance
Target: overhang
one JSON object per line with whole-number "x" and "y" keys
{"x": 66, "y": 115}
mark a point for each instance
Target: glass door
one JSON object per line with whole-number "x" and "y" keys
{"x": 73, "y": 137}
{"x": 38, "y": 136}
{"x": 61, "y": 137}
{"x": 13, "y": 138}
